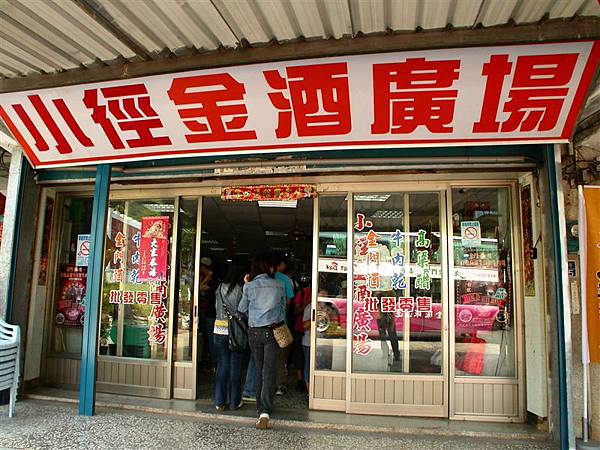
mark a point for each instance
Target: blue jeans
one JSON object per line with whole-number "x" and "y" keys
{"x": 228, "y": 380}
{"x": 249, "y": 386}
{"x": 208, "y": 327}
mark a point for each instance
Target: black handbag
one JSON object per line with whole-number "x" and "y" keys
{"x": 238, "y": 330}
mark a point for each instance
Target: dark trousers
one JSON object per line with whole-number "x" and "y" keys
{"x": 264, "y": 351}
{"x": 228, "y": 380}
{"x": 387, "y": 326}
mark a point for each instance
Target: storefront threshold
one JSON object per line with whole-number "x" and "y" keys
{"x": 301, "y": 418}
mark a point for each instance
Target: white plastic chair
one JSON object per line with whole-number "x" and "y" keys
{"x": 10, "y": 346}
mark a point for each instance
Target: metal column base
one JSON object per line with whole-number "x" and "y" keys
{"x": 589, "y": 445}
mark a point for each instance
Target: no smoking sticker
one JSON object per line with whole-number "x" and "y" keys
{"x": 470, "y": 232}
{"x": 83, "y": 250}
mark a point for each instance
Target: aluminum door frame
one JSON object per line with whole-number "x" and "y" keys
{"x": 189, "y": 367}
{"x": 347, "y": 404}
{"x": 408, "y": 380}
{"x": 518, "y": 381}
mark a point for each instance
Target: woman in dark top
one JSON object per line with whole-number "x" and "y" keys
{"x": 228, "y": 380}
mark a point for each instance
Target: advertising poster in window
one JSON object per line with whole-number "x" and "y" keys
{"x": 154, "y": 248}
{"x": 70, "y": 306}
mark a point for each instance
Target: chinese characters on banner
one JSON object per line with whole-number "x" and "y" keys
{"x": 519, "y": 93}
{"x": 145, "y": 282}
{"x": 154, "y": 249}
{"x": 381, "y": 279}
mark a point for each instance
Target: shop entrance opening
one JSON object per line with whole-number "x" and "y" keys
{"x": 241, "y": 230}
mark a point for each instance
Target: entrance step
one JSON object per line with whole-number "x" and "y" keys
{"x": 303, "y": 419}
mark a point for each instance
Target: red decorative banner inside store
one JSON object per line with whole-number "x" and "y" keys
{"x": 270, "y": 192}
{"x": 481, "y": 95}
{"x": 154, "y": 245}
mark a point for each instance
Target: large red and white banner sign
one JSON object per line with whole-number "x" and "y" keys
{"x": 514, "y": 94}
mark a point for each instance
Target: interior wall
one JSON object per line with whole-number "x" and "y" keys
{"x": 25, "y": 247}
{"x": 37, "y": 307}
{"x": 534, "y": 310}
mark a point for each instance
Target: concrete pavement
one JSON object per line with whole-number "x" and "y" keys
{"x": 41, "y": 425}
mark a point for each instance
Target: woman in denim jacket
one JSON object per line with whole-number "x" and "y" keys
{"x": 262, "y": 300}
{"x": 228, "y": 380}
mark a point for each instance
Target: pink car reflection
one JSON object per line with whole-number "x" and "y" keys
{"x": 331, "y": 318}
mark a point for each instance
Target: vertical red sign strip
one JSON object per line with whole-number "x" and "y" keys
{"x": 154, "y": 249}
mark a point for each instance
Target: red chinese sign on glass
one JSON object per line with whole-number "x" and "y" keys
{"x": 154, "y": 249}
{"x": 519, "y": 93}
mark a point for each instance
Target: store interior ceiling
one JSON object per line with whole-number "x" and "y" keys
{"x": 246, "y": 229}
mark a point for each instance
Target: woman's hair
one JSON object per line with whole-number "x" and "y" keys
{"x": 235, "y": 275}
{"x": 261, "y": 264}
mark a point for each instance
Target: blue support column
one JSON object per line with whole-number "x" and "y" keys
{"x": 556, "y": 208}
{"x": 87, "y": 386}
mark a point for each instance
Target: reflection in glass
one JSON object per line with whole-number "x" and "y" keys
{"x": 332, "y": 284}
{"x": 484, "y": 295}
{"x": 188, "y": 212}
{"x": 397, "y": 307}
{"x": 135, "y": 312}
{"x": 69, "y": 297}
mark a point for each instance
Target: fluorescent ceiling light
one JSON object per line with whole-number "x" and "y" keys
{"x": 275, "y": 233}
{"x": 277, "y": 203}
{"x": 372, "y": 197}
{"x": 218, "y": 249}
{"x": 210, "y": 242}
{"x": 387, "y": 214}
{"x": 160, "y": 207}
{"x": 331, "y": 246}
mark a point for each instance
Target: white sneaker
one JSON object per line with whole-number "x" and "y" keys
{"x": 263, "y": 422}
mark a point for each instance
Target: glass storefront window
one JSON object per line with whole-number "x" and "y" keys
{"x": 483, "y": 285}
{"x": 332, "y": 284}
{"x": 188, "y": 213}
{"x": 397, "y": 270}
{"x": 135, "y": 295}
{"x": 69, "y": 292}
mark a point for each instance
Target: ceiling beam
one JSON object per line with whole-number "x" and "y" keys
{"x": 579, "y": 28}
{"x": 99, "y": 15}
